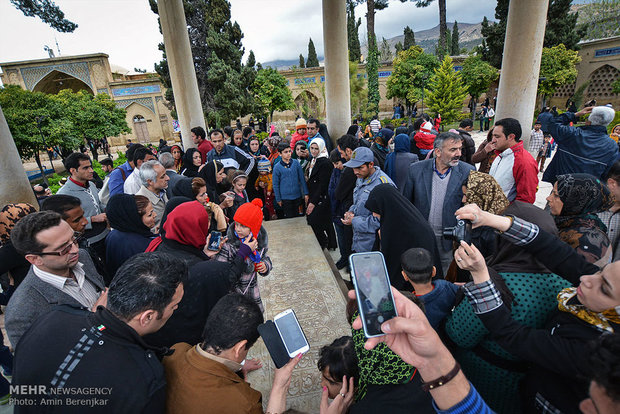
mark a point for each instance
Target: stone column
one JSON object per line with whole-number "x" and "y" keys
{"x": 518, "y": 83}
{"x": 14, "y": 184}
{"x": 337, "y": 93}
{"x": 181, "y": 65}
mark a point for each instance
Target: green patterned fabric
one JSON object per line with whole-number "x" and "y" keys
{"x": 379, "y": 366}
{"x": 535, "y": 296}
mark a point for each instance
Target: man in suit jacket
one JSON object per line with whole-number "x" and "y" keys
{"x": 167, "y": 160}
{"x": 61, "y": 273}
{"x": 434, "y": 186}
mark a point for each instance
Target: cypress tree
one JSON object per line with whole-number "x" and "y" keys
{"x": 409, "y": 39}
{"x": 455, "y": 40}
{"x": 313, "y": 60}
{"x": 355, "y": 52}
{"x": 302, "y": 64}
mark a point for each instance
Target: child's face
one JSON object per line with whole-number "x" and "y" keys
{"x": 263, "y": 173}
{"x": 242, "y": 230}
{"x": 338, "y": 165}
{"x": 286, "y": 154}
{"x": 239, "y": 184}
{"x": 547, "y": 138}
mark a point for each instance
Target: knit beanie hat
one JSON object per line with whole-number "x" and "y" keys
{"x": 426, "y": 127}
{"x": 264, "y": 165}
{"x": 300, "y": 123}
{"x": 250, "y": 215}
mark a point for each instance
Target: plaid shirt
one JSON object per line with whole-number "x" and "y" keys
{"x": 536, "y": 140}
{"x": 483, "y": 297}
{"x": 521, "y": 232}
{"x": 612, "y": 221}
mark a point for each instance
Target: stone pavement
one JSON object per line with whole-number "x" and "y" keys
{"x": 301, "y": 279}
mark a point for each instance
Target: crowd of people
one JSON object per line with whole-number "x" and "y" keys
{"x": 146, "y": 288}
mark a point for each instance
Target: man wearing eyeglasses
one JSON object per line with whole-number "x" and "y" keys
{"x": 61, "y": 273}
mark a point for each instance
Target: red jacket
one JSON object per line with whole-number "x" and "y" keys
{"x": 296, "y": 137}
{"x": 423, "y": 140}
{"x": 204, "y": 147}
{"x": 516, "y": 171}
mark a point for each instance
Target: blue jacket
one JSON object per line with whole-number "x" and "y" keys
{"x": 116, "y": 181}
{"x": 121, "y": 245}
{"x": 365, "y": 225}
{"x": 232, "y": 157}
{"x": 439, "y": 302}
{"x": 288, "y": 181}
{"x": 419, "y": 185}
{"x": 586, "y": 149}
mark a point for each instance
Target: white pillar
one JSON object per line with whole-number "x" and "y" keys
{"x": 518, "y": 83}
{"x": 14, "y": 184}
{"x": 181, "y": 65}
{"x": 337, "y": 92}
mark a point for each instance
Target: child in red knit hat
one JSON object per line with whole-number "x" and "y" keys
{"x": 247, "y": 238}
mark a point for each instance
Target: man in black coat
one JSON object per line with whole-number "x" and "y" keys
{"x": 71, "y": 358}
{"x": 469, "y": 146}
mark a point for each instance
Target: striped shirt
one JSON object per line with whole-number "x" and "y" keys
{"x": 80, "y": 289}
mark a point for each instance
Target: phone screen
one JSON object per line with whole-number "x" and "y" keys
{"x": 214, "y": 243}
{"x": 374, "y": 297}
{"x": 291, "y": 333}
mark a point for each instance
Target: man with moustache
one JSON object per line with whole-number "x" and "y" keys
{"x": 434, "y": 187}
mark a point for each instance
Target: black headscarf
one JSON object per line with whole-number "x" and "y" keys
{"x": 122, "y": 213}
{"x": 189, "y": 169}
{"x": 208, "y": 173}
{"x": 183, "y": 188}
{"x": 402, "y": 227}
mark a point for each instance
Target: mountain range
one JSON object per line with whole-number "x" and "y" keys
{"x": 470, "y": 36}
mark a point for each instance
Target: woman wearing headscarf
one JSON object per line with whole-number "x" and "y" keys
{"x": 319, "y": 210}
{"x": 131, "y": 218}
{"x": 185, "y": 233}
{"x": 177, "y": 154}
{"x": 397, "y": 163}
{"x": 527, "y": 287}
{"x": 574, "y": 202}
{"x": 213, "y": 174}
{"x": 12, "y": 262}
{"x": 555, "y": 354}
{"x": 402, "y": 227}
{"x": 192, "y": 163}
{"x": 301, "y": 154}
{"x": 485, "y": 154}
{"x": 380, "y": 147}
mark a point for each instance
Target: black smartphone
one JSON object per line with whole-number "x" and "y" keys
{"x": 372, "y": 288}
{"x": 214, "y": 243}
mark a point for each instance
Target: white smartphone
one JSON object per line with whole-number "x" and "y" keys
{"x": 372, "y": 288}
{"x": 291, "y": 333}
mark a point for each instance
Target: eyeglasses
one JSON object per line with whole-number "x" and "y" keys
{"x": 65, "y": 250}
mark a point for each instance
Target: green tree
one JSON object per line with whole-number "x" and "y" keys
{"x": 251, "y": 62}
{"x": 615, "y": 87}
{"x": 477, "y": 76}
{"x": 558, "y": 66}
{"x": 561, "y": 29}
{"x": 47, "y": 11}
{"x": 302, "y": 64}
{"x": 562, "y": 25}
{"x": 409, "y": 39}
{"x": 412, "y": 69}
{"x": 223, "y": 81}
{"x": 398, "y": 47}
{"x": 385, "y": 52}
{"x": 372, "y": 72}
{"x": 355, "y": 52}
{"x": 357, "y": 86}
{"x": 313, "y": 60}
{"x": 271, "y": 92}
{"x": 446, "y": 91}
{"x": 455, "y": 49}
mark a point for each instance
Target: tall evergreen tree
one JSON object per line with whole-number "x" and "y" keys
{"x": 409, "y": 39}
{"x": 355, "y": 52}
{"x": 454, "y": 49}
{"x": 444, "y": 38}
{"x": 494, "y": 34}
{"x": 223, "y": 81}
{"x": 48, "y": 12}
{"x": 398, "y": 47}
{"x": 385, "y": 52}
{"x": 251, "y": 62}
{"x": 313, "y": 60}
{"x": 372, "y": 72}
{"x": 302, "y": 64}
{"x": 562, "y": 25}
{"x": 441, "y": 51}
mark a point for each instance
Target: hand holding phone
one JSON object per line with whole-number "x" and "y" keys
{"x": 214, "y": 242}
{"x": 291, "y": 333}
{"x": 372, "y": 287}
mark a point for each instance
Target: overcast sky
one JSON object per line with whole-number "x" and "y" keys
{"x": 275, "y": 29}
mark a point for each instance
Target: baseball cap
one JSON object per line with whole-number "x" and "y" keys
{"x": 360, "y": 156}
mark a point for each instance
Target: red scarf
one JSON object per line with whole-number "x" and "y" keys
{"x": 188, "y": 224}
